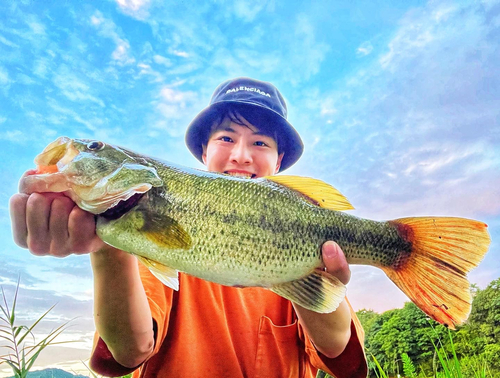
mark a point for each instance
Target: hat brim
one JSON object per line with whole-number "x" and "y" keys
{"x": 290, "y": 141}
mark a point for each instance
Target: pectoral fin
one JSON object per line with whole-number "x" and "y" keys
{"x": 316, "y": 191}
{"x": 320, "y": 292}
{"x": 165, "y": 231}
{"x": 165, "y": 274}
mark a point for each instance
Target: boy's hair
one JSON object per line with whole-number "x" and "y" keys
{"x": 243, "y": 116}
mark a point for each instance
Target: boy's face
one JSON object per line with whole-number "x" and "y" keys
{"x": 241, "y": 150}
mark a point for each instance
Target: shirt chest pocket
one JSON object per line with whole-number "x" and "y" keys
{"x": 277, "y": 350}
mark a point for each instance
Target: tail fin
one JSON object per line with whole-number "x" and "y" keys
{"x": 434, "y": 274}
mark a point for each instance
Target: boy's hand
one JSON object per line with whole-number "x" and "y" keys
{"x": 335, "y": 261}
{"x": 51, "y": 224}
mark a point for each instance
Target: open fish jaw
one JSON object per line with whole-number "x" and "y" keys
{"x": 94, "y": 183}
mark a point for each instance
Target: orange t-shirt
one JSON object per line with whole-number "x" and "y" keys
{"x": 220, "y": 331}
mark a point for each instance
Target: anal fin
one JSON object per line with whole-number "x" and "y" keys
{"x": 165, "y": 274}
{"x": 320, "y": 291}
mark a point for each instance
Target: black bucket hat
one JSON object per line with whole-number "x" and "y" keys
{"x": 261, "y": 97}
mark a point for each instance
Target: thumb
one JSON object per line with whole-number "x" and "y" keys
{"x": 335, "y": 261}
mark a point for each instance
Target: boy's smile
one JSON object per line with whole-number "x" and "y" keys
{"x": 241, "y": 151}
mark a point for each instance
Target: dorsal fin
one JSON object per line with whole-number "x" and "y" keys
{"x": 318, "y": 192}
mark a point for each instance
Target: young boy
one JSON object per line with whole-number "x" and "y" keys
{"x": 204, "y": 329}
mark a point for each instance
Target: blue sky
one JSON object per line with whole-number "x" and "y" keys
{"x": 398, "y": 104}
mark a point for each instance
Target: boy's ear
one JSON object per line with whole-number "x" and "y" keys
{"x": 204, "y": 154}
{"x": 278, "y": 163}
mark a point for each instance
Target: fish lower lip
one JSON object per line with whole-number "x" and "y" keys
{"x": 122, "y": 208}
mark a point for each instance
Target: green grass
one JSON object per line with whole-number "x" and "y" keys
{"x": 21, "y": 349}
{"x": 447, "y": 365}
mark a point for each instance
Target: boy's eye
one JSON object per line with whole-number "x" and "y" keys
{"x": 225, "y": 139}
{"x": 260, "y": 143}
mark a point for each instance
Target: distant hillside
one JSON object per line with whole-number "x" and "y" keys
{"x": 52, "y": 373}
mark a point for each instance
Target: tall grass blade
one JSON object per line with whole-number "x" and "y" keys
{"x": 380, "y": 370}
{"x": 23, "y": 356}
{"x": 13, "y": 312}
{"x": 30, "y": 329}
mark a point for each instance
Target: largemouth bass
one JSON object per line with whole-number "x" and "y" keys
{"x": 264, "y": 232}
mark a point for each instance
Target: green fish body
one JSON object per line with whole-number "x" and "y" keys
{"x": 264, "y": 232}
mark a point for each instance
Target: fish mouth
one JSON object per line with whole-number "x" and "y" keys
{"x": 122, "y": 207}
{"x": 48, "y": 175}
{"x": 55, "y": 156}
{"x": 96, "y": 184}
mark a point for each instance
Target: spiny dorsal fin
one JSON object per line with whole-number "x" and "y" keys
{"x": 165, "y": 274}
{"x": 318, "y": 192}
{"x": 320, "y": 291}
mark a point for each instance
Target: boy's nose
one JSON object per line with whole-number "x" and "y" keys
{"x": 240, "y": 154}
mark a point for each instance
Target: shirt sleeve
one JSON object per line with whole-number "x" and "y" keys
{"x": 160, "y": 300}
{"x": 351, "y": 363}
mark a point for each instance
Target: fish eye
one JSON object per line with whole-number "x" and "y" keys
{"x": 95, "y": 146}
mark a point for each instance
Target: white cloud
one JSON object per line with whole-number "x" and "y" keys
{"x": 440, "y": 158}
{"x": 442, "y": 13}
{"x": 4, "y": 76}
{"x": 158, "y": 59}
{"x": 301, "y": 66}
{"x": 108, "y": 29}
{"x": 182, "y": 54}
{"x": 247, "y": 10}
{"x": 25, "y": 79}
{"x": 135, "y": 8}
{"x": 328, "y": 107}
{"x": 406, "y": 45}
{"x": 73, "y": 87}
{"x": 174, "y": 104}
{"x": 14, "y": 136}
{"x": 145, "y": 69}
{"x": 175, "y": 109}
{"x": 133, "y": 5}
{"x": 67, "y": 114}
{"x": 41, "y": 66}
{"x": 175, "y": 96}
{"x": 253, "y": 59}
{"x": 6, "y": 42}
{"x": 36, "y": 27}
{"x": 121, "y": 53}
{"x": 429, "y": 26}
{"x": 364, "y": 49}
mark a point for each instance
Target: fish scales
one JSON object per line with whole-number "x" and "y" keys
{"x": 262, "y": 234}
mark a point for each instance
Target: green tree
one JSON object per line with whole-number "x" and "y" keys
{"x": 367, "y": 318}
{"x": 482, "y": 330}
{"x": 485, "y": 314}
{"x": 400, "y": 331}
{"x": 476, "y": 345}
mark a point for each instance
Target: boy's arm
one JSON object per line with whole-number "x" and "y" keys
{"x": 50, "y": 224}
{"x": 121, "y": 310}
{"x": 331, "y": 332}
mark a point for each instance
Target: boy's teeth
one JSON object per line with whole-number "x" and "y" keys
{"x": 237, "y": 174}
